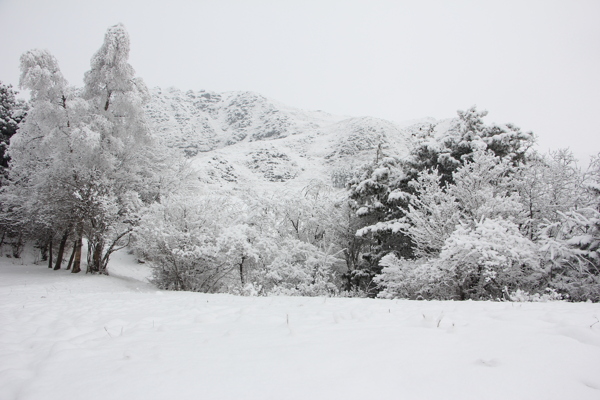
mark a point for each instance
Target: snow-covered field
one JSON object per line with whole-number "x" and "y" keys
{"x": 65, "y": 336}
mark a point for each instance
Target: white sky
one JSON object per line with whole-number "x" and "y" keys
{"x": 533, "y": 63}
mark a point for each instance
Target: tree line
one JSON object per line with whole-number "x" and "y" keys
{"x": 472, "y": 213}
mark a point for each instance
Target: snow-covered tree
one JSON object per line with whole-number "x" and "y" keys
{"x": 549, "y": 185}
{"x": 301, "y": 255}
{"x": 391, "y": 196}
{"x": 488, "y": 258}
{"x": 485, "y": 187}
{"x": 464, "y": 216}
{"x": 482, "y": 188}
{"x": 12, "y": 112}
{"x": 469, "y": 135}
{"x": 177, "y": 237}
{"x": 416, "y": 279}
{"x": 299, "y": 268}
{"x": 116, "y": 101}
{"x": 81, "y": 159}
{"x": 375, "y": 198}
{"x": 570, "y": 244}
{"x": 36, "y": 202}
{"x": 237, "y": 242}
{"x": 432, "y": 215}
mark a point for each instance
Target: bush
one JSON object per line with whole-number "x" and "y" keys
{"x": 481, "y": 260}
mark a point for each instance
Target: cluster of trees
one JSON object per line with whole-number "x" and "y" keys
{"x": 81, "y": 162}
{"x": 475, "y": 214}
{"x": 242, "y": 243}
{"x": 86, "y": 172}
{"x": 470, "y": 214}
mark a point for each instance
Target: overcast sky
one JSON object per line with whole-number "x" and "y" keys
{"x": 533, "y": 63}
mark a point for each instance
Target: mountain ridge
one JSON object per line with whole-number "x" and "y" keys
{"x": 244, "y": 138}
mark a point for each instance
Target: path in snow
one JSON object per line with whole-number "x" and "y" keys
{"x": 65, "y": 336}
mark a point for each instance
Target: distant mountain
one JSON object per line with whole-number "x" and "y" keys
{"x": 243, "y": 138}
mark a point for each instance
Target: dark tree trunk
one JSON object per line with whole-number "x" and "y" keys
{"x": 72, "y": 256}
{"x": 50, "y": 252}
{"x": 242, "y": 271}
{"x": 95, "y": 258}
{"x": 61, "y": 249}
{"x": 98, "y": 256}
{"x": 77, "y": 258}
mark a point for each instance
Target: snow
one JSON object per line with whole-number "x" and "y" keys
{"x": 65, "y": 336}
{"x": 224, "y": 132}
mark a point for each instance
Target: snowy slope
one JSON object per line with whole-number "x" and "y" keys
{"x": 244, "y": 138}
{"x": 66, "y": 336}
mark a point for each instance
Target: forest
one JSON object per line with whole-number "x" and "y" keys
{"x": 475, "y": 214}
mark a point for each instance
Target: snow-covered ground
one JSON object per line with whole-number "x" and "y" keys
{"x": 65, "y": 336}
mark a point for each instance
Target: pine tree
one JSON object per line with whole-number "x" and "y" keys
{"x": 468, "y": 135}
{"x": 375, "y": 200}
{"x": 12, "y": 112}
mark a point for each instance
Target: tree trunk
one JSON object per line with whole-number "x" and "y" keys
{"x": 50, "y": 252}
{"x": 95, "y": 251}
{"x": 242, "y": 271}
{"x": 77, "y": 258}
{"x": 72, "y": 256}
{"x": 61, "y": 250}
{"x": 97, "y": 258}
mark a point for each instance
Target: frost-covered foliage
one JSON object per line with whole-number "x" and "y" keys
{"x": 298, "y": 268}
{"x": 485, "y": 188}
{"x": 475, "y": 262}
{"x": 372, "y": 191}
{"x": 374, "y": 201}
{"x": 479, "y": 238}
{"x": 12, "y": 112}
{"x": 241, "y": 244}
{"x": 482, "y": 259}
{"x": 432, "y": 214}
{"x": 523, "y": 296}
{"x": 483, "y": 216}
{"x": 482, "y": 189}
{"x": 570, "y": 250}
{"x": 471, "y": 214}
{"x": 549, "y": 185}
{"x": 566, "y": 228}
{"x": 411, "y": 279}
{"x": 81, "y": 161}
{"x": 177, "y": 236}
{"x": 410, "y": 209}
{"x": 469, "y": 135}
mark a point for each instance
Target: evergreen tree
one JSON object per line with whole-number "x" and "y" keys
{"x": 468, "y": 135}
{"x": 12, "y": 112}
{"x": 376, "y": 202}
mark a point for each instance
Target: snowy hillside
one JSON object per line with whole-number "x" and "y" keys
{"x": 243, "y": 137}
{"x": 66, "y": 336}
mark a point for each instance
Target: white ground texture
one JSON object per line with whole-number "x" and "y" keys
{"x": 65, "y": 336}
